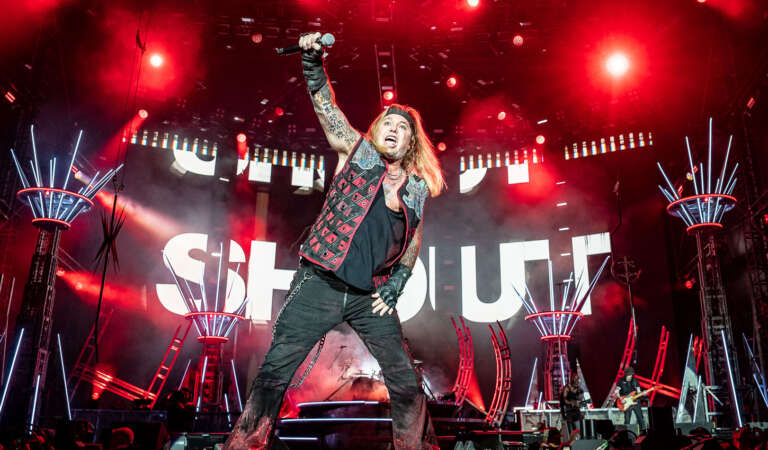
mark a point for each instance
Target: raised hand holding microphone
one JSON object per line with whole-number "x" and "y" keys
{"x": 312, "y": 62}
{"x": 316, "y": 42}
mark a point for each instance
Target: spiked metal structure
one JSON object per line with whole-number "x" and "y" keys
{"x": 703, "y": 213}
{"x": 213, "y": 324}
{"x": 53, "y": 208}
{"x": 556, "y": 326}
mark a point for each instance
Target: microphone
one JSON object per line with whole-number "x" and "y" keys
{"x": 326, "y": 40}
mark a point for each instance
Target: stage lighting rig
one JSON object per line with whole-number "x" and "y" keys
{"x": 556, "y": 325}
{"x": 703, "y": 212}
{"x": 54, "y": 207}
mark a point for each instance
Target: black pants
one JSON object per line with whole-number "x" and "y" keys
{"x": 572, "y": 421}
{"x": 316, "y": 302}
{"x": 638, "y": 416}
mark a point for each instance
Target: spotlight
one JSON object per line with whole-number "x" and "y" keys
{"x": 257, "y": 38}
{"x": 241, "y": 137}
{"x": 518, "y": 40}
{"x": 501, "y": 115}
{"x": 156, "y": 60}
{"x": 441, "y": 146}
{"x": 451, "y": 82}
{"x": 388, "y": 95}
{"x": 617, "y": 64}
{"x": 701, "y": 1}
{"x": 540, "y": 139}
{"x": 473, "y": 3}
{"x": 279, "y": 111}
{"x": 143, "y": 113}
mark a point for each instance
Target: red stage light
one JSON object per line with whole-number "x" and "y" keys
{"x": 473, "y": 3}
{"x": 689, "y": 284}
{"x": 701, "y": 1}
{"x": 388, "y": 96}
{"x": 518, "y": 40}
{"x": 156, "y": 60}
{"x": 143, "y": 113}
{"x": 540, "y": 139}
{"x": 617, "y": 64}
{"x": 441, "y": 146}
{"x": 241, "y": 137}
{"x": 257, "y": 38}
{"x": 501, "y": 115}
{"x": 451, "y": 82}
{"x": 279, "y": 111}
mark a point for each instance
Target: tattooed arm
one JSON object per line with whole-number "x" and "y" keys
{"x": 387, "y": 295}
{"x": 412, "y": 252}
{"x": 340, "y": 134}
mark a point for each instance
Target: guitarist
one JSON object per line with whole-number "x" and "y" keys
{"x": 629, "y": 386}
{"x": 570, "y": 403}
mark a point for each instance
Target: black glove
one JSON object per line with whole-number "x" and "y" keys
{"x": 314, "y": 72}
{"x": 390, "y": 291}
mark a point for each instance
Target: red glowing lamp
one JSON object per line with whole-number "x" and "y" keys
{"x": 143, "y": 113}
{"x": 388, "y": 95}
{"x": 501, "y": 115}
{"x": 441, "y": 146}
{"x": 156, "y": 60}
{"x": 279, "y": 112}
{"x": 241, "y": 137}
{"x": 473, "y": 3}
{"x": 518, "y": 40}
{"x": 451, "y": 82}
{"x": 540, "y": 139}
{"x": 617, "y": 64}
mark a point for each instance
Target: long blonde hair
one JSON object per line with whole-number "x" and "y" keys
{"x": 420, "y": 158}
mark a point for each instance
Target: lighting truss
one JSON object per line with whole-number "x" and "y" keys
{"x": 211, "y": 321}
{"x": 202, "y": 147}
{"x": 558, "y": 323}
{"x": 708, "y": 205}
{"x": 495, "y": 160}
{"x": 52, "y": 204}
{"x": 608, "y": 144}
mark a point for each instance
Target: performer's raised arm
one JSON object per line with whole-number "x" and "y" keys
{"x": 340, "y": 134}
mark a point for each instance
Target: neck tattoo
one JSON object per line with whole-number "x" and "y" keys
{"x": 395, "y": 176}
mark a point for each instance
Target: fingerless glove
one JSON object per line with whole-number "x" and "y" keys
{"x": 391, "y": 289}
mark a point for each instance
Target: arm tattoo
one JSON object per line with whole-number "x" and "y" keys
{"x": 412, "y": 252}
{"x": 337, "y": 129}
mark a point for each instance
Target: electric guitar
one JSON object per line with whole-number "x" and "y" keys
{"x": 627, "y": 401}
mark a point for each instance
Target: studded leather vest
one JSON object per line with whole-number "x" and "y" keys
{"x": 349, "y": 198}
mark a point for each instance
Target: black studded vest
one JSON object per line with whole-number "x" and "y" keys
{"x": 349, "y": 198}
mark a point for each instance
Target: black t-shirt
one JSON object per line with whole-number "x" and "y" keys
{"x": 626, "y": 387}
{"x": 378, "y": 241}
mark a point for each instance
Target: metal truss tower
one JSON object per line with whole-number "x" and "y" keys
{"x": 703, "y": 212}
{"x": 54, "y": 208}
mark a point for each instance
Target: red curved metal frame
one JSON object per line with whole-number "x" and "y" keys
{"x": 466, "y": 361}
{"x": 56, "y": 222}
{"x": 691, "y": 198}
{"x": 556, "y": 337}
{"x": 212, "y": 314}
{"x": 501, "y": 392}
{"x": 554, "y": 313}
{"x": 703, "y": 226}
{"x": 45, "y": 190}
{"x": 626, "y": 359}
{"x": 658, "y": 367}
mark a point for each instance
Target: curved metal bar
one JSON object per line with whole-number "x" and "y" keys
{"x": 629, "y": 348}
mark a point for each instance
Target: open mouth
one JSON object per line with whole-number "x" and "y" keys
{"x": 390, "y": 139}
